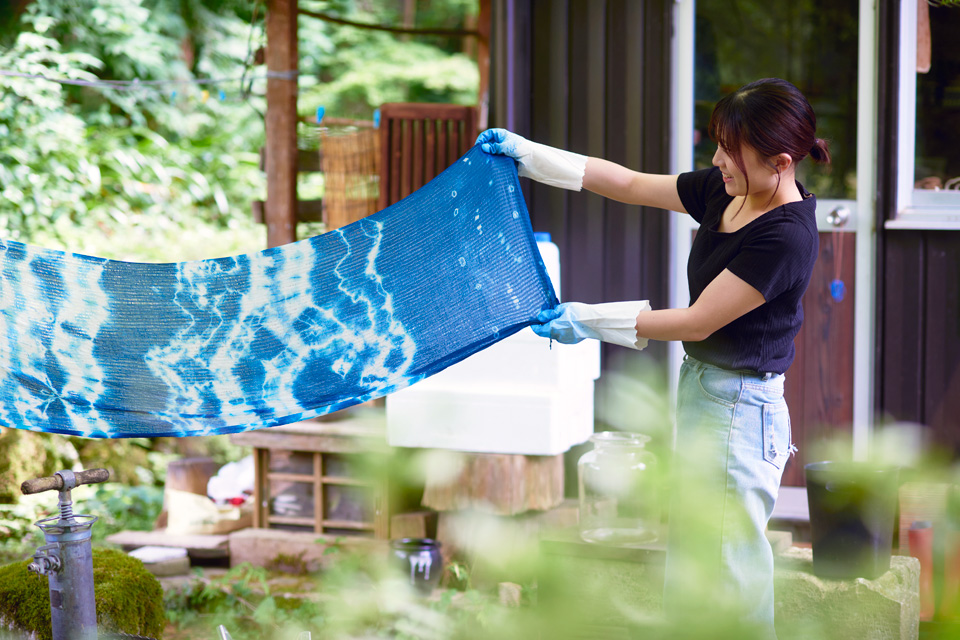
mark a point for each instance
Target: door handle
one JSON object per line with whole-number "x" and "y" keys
{"x": 839, "y": 216}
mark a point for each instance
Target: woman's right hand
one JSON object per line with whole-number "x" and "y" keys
{"x": 501, "y": 142}
{"x": 538, "y": 162}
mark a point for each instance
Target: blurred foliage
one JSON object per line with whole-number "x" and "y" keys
{"x": 81, "y": 158}
{"x": 168, "y": 173}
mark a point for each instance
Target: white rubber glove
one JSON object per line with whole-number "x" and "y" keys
{"x": 614, "y": 322}
{"x": 539, "y": 162}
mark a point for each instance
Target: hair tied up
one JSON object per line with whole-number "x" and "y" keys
{"x": 820, "y": 151}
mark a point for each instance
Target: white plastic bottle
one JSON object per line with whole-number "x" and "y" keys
{"x": 551, "y": 258}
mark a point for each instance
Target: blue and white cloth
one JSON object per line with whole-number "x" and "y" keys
{"x": 109, "y": 349}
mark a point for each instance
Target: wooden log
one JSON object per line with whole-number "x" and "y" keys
{"x": 501, "y": 484}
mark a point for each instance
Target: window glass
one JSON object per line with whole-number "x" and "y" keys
{"x": 811, "y": 43}
{"x": 938, "y": 101}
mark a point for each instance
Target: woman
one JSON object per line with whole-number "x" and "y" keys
{"x": 749, "y": 266}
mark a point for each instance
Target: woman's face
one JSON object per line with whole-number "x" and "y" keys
{"x": 762, "y": 173}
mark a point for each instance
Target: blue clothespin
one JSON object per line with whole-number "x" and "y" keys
{"x": 173, "y": 94}
{"x": 320, "y": 112}
{"x": 222, "y": 95}
{"x": 376, "y": 118}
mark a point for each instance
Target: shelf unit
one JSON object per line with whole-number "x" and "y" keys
{"x": 322, "y": 475}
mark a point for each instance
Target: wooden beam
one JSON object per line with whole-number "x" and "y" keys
{"x": 281, "y": 122}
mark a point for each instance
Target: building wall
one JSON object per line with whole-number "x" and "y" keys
{"x": 591, "y": 76}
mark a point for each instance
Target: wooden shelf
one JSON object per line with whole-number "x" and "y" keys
{"x": 297, "y": 520}
{"x": 328, "y": 443}
{"x": 344, "y": 481}
{"x": 349, "y": 524}
{"x": 290, "y": 477}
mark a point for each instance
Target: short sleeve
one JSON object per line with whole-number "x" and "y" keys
{"x": 776, "y": 257}
{"x": 696, "y": 190}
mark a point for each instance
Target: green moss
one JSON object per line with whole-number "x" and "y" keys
{"x": 129, "y": 598}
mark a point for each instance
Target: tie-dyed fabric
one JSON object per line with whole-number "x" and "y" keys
{"x": 109, "y": 349}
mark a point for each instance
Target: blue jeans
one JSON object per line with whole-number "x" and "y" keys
{"x": 732, "y": 442}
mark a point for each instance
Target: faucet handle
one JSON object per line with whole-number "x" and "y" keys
{"x": 64, "y": 481}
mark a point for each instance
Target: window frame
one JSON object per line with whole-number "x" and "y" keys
{"x": 915, "y": 208}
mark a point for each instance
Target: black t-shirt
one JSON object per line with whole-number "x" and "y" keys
{"x": 774, "y": 254}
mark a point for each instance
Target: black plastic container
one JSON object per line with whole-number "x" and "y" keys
{"x": 419, "y": 560}
{"x": 853, "y": 510}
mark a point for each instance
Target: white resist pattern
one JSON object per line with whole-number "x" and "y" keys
{"x": 101, "y": 348}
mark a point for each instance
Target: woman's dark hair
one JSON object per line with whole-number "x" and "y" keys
{"x": 773, "y": 117}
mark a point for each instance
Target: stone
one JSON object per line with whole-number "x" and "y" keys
{"x": 510, "y": 594}
{"x": 811, "y": 607}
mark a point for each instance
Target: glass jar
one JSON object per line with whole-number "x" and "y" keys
{"x": 619, "y": 504}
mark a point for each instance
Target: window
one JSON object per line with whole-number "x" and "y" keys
{"x": 813, "y": 44}
{"x": 928, "y": 188}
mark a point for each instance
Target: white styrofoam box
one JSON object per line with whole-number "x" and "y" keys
{"x": 516, "y": 419}
{"x": 523, "y": 358}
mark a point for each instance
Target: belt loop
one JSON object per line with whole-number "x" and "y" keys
{"x": 768, "y": 375}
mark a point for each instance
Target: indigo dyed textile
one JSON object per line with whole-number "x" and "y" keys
{"x": 110, "y": 349}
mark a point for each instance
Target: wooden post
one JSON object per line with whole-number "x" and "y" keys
{"x": 281, "y": 165}
{"x": 483, "y": 64}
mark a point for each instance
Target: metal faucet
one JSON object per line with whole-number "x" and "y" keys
{"x": 67, "y": 558}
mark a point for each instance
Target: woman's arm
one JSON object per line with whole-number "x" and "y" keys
{"x": 568, "y": 170}
{"x": 619, "y": 183}
{"x": 723, "y": 301}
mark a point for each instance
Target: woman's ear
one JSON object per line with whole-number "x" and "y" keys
{"x": 781, "y": 162}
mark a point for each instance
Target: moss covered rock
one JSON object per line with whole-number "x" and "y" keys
{"x": 129, "y": 598}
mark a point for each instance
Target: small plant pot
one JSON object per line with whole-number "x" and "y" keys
{"x": 853, "y": 507}
{"x": 418, "y": 560}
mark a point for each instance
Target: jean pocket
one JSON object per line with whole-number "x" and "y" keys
{"x": 776, "y": 434}
{"x": 722, "y": 387}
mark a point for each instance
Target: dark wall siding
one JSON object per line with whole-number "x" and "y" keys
{"x": 592, "y": 76}
{"x": 921, "y": 333}
{"x": 918, "y": 287}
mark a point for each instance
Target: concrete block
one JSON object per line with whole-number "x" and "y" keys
{"x": 621, "y": 589}
{"x": 887, "y": 608}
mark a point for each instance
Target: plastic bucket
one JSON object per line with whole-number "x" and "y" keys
{"x": 853, "y": 508}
